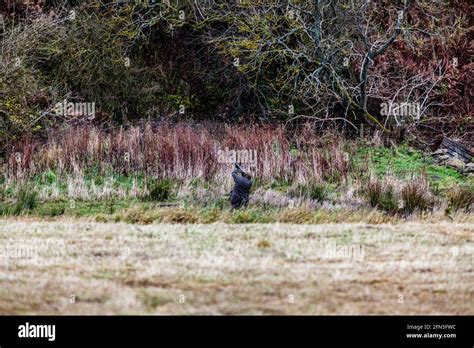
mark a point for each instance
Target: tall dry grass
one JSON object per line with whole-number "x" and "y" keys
{"x": 180, "y": 151}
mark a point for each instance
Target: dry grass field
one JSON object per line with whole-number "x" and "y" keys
{"x": 80, "y": 267}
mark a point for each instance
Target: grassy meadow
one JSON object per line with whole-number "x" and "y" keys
{"x": 375, "y": 229}
{"x": 120, "y": 122}
{"x": 79, "y": 267}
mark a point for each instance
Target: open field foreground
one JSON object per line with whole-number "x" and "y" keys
{"x": 81, "y": 267}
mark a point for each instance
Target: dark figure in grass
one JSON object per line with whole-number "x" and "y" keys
{"x": 239, "y": 196}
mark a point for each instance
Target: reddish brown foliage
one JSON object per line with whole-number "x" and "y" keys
{"x": 180, "y": 152}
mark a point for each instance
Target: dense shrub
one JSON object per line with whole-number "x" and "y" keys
{"x": 316, "y": 191}
{"x": 160, "y": 189}
{"x": 250, "y": 215}
{"x": 461, "y": 198}
{"x": 381, "y": 196}
{"x": 136, "y": 215}
{"x": 296, "y": 216}
{"x": 27, "y": 200}
{"x": 179, "y": 216}
{"x": 222, "y": 62}
{"x": 416, "y": 196}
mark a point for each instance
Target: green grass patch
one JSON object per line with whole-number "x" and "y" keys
{"x": 160, "y": 190}
{"x": 404, "y": 162}
{"x": 249, "y": 215}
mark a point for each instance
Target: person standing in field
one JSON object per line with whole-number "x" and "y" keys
{"x": 239, "y": 196}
